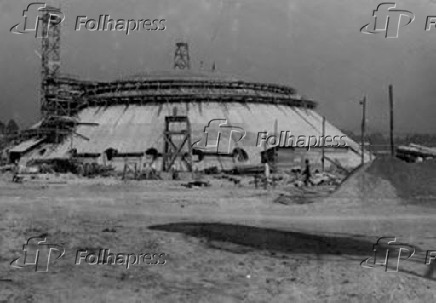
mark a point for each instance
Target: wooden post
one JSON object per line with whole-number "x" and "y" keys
{"x": 266, "y": 162}
{"x": 323, "y": 144}
{"x": 189, "y": 142}
{"x": 391, "y": 111}
{"x": 363, "y": 102}
{"x": 124, "y": 170}
{"x": 275, "y": 154}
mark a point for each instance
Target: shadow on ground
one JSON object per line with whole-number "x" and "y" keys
{"x": 276, "y": 243}
{"x": 270, "y": 239}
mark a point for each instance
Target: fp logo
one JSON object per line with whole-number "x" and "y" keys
{"x": 220, "y": 139}
{"x": 388, "y": 253}
{"x": 33, "y": 17}
{"x": 388, "y": 20}
{"x": 37, "y": 253}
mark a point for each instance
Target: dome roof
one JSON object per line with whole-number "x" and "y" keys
{"x": 182, "y": 75}
{"x": 183, "y": 86}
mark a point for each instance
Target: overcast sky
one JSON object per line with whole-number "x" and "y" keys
{"x": 314, "y": 46}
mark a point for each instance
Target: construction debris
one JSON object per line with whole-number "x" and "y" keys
{"x": 233, "y": 179}
{"x": 7, "y": 168}
{"x": 246, "y": 169}
{"x": 416, "y": 153}
{"x": 197, "y": 183}
{"x": 325, "y": 179}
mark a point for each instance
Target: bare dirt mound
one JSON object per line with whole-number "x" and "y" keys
{"x": 413, "y": 182}
{"x": 365, "y": 189}
{"x": 390, "y": 181}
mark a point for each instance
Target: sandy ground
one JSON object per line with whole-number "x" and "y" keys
{"x": 223, "y": 243}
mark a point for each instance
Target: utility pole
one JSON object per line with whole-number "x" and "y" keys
{"x": 323, "y": 144}
{"x": 276, "y": 148}
{"x": 391, "y": 111}
{"x": 266, "y": 171}
{"x": 363, "y": 103}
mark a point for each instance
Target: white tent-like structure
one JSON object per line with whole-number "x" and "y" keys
{"x": 128, "y": 116}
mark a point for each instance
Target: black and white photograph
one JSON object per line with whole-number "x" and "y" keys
{"x": 217, "y": 151}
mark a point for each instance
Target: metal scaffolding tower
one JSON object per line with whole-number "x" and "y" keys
{"x": 51, "y": 46}
{"x": 181, "y": 56}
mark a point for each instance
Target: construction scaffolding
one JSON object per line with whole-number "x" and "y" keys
{"x": 182, "y": 59}
{"x": 177, "y": 142}
{"x": 51, "y": 61}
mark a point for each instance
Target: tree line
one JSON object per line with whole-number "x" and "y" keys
{"x": 10, "y": 128}
{"x": 379, "y": 141}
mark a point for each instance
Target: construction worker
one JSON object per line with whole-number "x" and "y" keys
{"x": 16, "y": 171}
{"x": 307, "y": 174}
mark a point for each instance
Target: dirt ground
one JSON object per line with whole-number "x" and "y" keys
{"x": 223, "y": 243}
